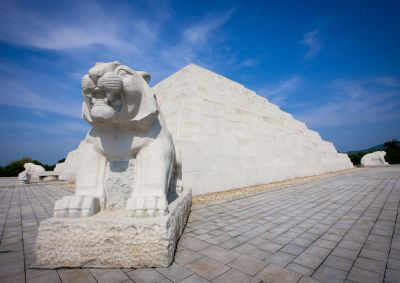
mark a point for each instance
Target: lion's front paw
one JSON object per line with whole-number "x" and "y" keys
{"x": 146, "y": 206}
{"x": 76, "y": 206}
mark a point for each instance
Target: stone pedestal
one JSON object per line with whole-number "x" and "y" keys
{"x": 111, "y": 240}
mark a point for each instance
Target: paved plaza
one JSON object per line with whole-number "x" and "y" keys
{"x": 343, "y": 228}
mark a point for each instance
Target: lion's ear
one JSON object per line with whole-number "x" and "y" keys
{"x": 146, "y": 76}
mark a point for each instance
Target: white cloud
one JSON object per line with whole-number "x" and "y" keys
{"x": 88, "y": 30}
{"x": 195, "y": 40}
{"x": 250, "y": 62}
{"x": 14, "y": 93}
{"x": 313, "y": 42}
{"x": 125, "y": 36}
{"x": 201, "y": 31}
{"x": 87, "y": 24}
{"x": 38, "y": 129}
{"x": 278, "y": 93}
{"x": 366, "y": 100}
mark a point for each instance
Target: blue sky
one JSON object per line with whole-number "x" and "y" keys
{"x": 333, "y": 64}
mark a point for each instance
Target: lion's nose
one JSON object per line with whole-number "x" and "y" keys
{"x": 95, "y": 75}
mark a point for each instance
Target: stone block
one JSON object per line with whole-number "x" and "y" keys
{"x": 111, "y": 240}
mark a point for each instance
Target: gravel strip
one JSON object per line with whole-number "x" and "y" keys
{"x": 242, "y": 192}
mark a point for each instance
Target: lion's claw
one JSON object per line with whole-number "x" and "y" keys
{"x": 146, "y": 206}
{"x": 76, "y": 206}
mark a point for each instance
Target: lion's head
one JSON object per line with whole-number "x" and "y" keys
{"x": 115, "y": 93}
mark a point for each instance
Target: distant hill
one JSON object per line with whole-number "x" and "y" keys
{"x": 371, "y": 149}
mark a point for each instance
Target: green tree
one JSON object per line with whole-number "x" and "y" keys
{"x": 392, "y": 148}
{"x": 356, "y": 157}
{"x": 14, "y": 167}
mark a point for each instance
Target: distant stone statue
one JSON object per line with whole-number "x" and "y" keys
{"x": 376, "y": 158}
{"x": 126, "y": 160}
{"x": 30, "y": 174}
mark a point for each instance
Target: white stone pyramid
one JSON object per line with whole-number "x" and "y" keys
{"x": 228, "y": 137}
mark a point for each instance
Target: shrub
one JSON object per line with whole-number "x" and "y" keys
{"x": 392, "y": 149}
{"x": 356, "y": 157}
{"x": 14, "y": 167}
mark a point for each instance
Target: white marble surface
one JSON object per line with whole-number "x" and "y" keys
{"x": 70, "y": 166}
{"x": 226, "y": 136}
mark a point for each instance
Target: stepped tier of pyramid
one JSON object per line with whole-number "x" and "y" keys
{"x": 228, "y": 137}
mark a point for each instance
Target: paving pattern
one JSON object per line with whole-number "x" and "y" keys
{"x": 344, "y": 228}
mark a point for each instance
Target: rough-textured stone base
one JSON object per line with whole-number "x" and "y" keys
{"x": 111, "y": 240}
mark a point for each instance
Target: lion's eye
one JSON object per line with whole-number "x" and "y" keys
{"x": 122, "y": 72}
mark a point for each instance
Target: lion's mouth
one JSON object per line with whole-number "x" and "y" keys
{"x": 104, "y": 94}
{"x": 104, "y": 105}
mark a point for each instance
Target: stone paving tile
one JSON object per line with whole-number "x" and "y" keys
{"x": 292, "y": 249}
{"x": 235, "y": 276}
{"x": 194, "y": 278}
{"x": 392, "y": 276}
{"x": 280, "y": 259}
{"x": 76, "y": 275}
{"x": 234, "y": 242}
{"x": 219, "y": 254}
{"x": 252, "y": 251}
{"x": 346, "y": 253}
{"x": 347, "y": 224}
{"x": 325, "y": 273}
{"x": 371, "y": 265}
{"x": 362, "y": 276}
{"x": 271, "y": 247}
{"x": 185, "y": 256}
{"x": 207, "y": 268}
{"x": 306, "y": 279}
{"x": 377, "y": 246}
{"x": 377, "y": 255}
{"x": 145, "y": 275}
{"x": 300, "y": 269}
{"x": 39, "y": 276}
{"x": 248, "y": 265}
{"x": 18, "y": 277}
{"x": 276, "y": 274}
{"x": 218, "y": 239}
{"x": 302, "y": 242}
{"x": 393, "y": 263}
{"x": 325, "y": 244}
{"x": 175, "y": 272}
{"x": 317, "y": 251}
{"x": 309, "y": 261}
{"x": 338, "y": 262}
{"x": 193, "y": 243}
{"x": 109, "y": 275}
{"x": 12, "y": 269}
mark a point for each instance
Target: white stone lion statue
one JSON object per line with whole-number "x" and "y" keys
{"x": 127, "y": 158}
{"x": 376, "y": 158}
{"x": 30, "y": 174}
